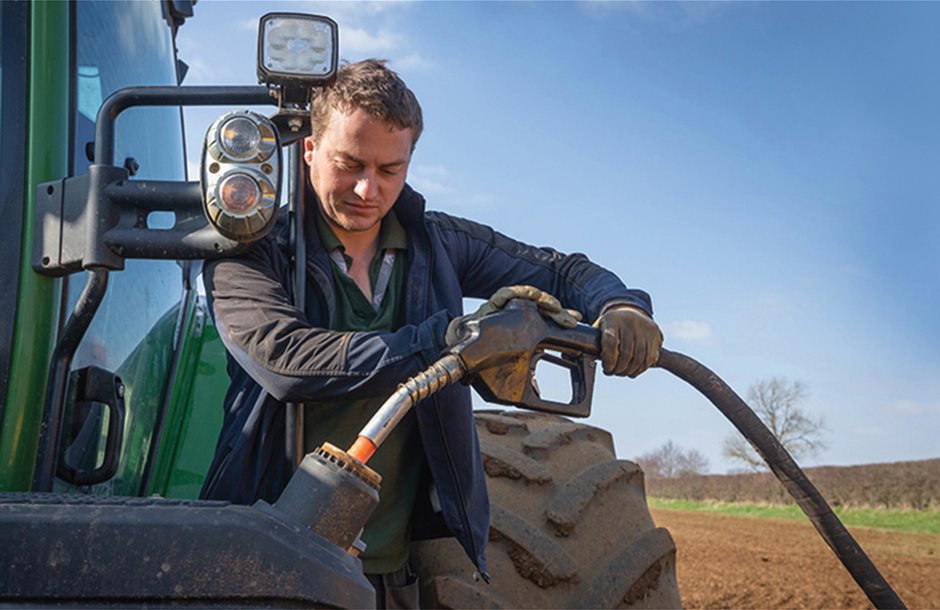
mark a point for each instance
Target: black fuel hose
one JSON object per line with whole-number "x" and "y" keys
{"x": 795, "y": 481}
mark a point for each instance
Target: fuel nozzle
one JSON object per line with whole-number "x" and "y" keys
{"x": 497, "y": 355}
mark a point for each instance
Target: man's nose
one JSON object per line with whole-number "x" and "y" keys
{"x": 367, "y": 187}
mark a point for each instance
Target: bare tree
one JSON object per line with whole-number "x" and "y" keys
{"x": 692, "y": 463}
{"x": 776, "y": 401}
{"x": 671, "y": 460}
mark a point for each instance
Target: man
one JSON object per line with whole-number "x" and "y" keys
{"x": 385, "y": 281}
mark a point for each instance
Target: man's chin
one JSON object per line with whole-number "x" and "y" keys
{"x": 357, "y": 225}
{"x": 355, "y": 220}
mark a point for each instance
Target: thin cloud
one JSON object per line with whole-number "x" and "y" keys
{"x": 911, "y": 407}
{"x": 359, "y": 41}
{"x": 208, "y": 65}
{"x": 690, "y": 330}
{"x": 769, "y": 299}
{"x": 870, "y": 431}
{"x": 430, "y": 179}
{"x": 677, "y": 16}
{"x": 603, "y": 8}
{"x": 412, "y": 61}
{"x": 354, "y": 12}
{"x": 444, "y": 191}
{"x": 198, "y": 70}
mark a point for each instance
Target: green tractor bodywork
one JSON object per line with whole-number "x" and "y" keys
{"x": 29, "y": 333}
{"x": 152, "y": 329}
{"x": 194, "y": 414}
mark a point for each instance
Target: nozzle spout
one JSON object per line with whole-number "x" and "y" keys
{"x": 442, "y": 373}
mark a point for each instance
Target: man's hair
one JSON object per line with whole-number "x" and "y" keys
{"x": 374, "y": 88}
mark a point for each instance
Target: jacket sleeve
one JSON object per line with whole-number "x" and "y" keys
{"x": 290, "y": 358}
{"x": 486, "y": 260}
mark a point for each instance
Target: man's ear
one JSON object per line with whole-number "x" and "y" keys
{"x": 309, "y": 147}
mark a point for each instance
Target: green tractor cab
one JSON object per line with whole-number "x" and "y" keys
{"x": 100, "y": 478}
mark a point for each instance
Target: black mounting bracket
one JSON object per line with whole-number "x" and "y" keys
{"x": 101, "y": 218}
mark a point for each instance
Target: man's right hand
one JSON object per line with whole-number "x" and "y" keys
{"x": 549, "y": 307}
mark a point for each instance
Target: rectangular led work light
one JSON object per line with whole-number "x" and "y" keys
{"x": 297, "y": 50}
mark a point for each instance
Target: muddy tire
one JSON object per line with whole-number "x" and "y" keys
{"x": 569, "y": 525}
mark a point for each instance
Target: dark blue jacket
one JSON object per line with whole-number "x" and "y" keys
{"x": 279, "y": 354}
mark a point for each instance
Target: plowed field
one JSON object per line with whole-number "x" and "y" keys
{"x": 733, "y": 562}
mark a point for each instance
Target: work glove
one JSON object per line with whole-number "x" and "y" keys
{"x": 630, "y": 340}
{"x": 549, "y": 307}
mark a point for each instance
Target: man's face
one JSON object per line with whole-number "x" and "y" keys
{"x": 358, "y": 169}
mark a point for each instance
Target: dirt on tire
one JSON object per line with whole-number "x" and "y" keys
{"x": 569, "y": 525}
{"x": 733, "y": 562}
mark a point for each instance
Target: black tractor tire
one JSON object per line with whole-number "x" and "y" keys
{"x": 569, "y": 525}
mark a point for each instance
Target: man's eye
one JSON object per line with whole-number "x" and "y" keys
{"x": 346, "y": 166}
{"x": 391, "y": 171}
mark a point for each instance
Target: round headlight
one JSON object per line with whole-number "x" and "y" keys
{"x": 241, "y": 169}
{"x": 240, "y": 138}
{"x": 241, "y": 204}
{"x": 239, "y": 194}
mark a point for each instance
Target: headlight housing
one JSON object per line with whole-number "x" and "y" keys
{"x": 241, "y": 172}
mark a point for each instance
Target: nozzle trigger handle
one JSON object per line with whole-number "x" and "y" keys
{"x": 581, "y": 369}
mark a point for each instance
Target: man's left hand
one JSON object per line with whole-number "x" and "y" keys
{"x": 630, "y": 341}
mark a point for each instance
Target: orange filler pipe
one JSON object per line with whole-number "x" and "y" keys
{"x": 362, "y": 449}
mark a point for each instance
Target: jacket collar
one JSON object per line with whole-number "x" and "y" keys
{"x": 410, "y": 207}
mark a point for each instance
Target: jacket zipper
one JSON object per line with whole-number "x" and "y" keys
{"x": 464, "y": 517}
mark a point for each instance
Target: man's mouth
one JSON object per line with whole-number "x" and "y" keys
{"x": 358, "y": 205}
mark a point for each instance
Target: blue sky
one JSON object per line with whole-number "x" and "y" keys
{"x": 769, "y": 172}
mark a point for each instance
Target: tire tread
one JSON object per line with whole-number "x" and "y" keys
{"x": 565, "y": 510}
{"x": 569, "y": 528}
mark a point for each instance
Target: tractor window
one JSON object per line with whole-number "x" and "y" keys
{"x": 122, "y": 44}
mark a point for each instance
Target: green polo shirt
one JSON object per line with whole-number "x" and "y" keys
{"x": 400, "y": 459}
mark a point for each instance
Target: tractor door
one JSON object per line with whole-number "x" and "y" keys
{"x": 148, "y": 330}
